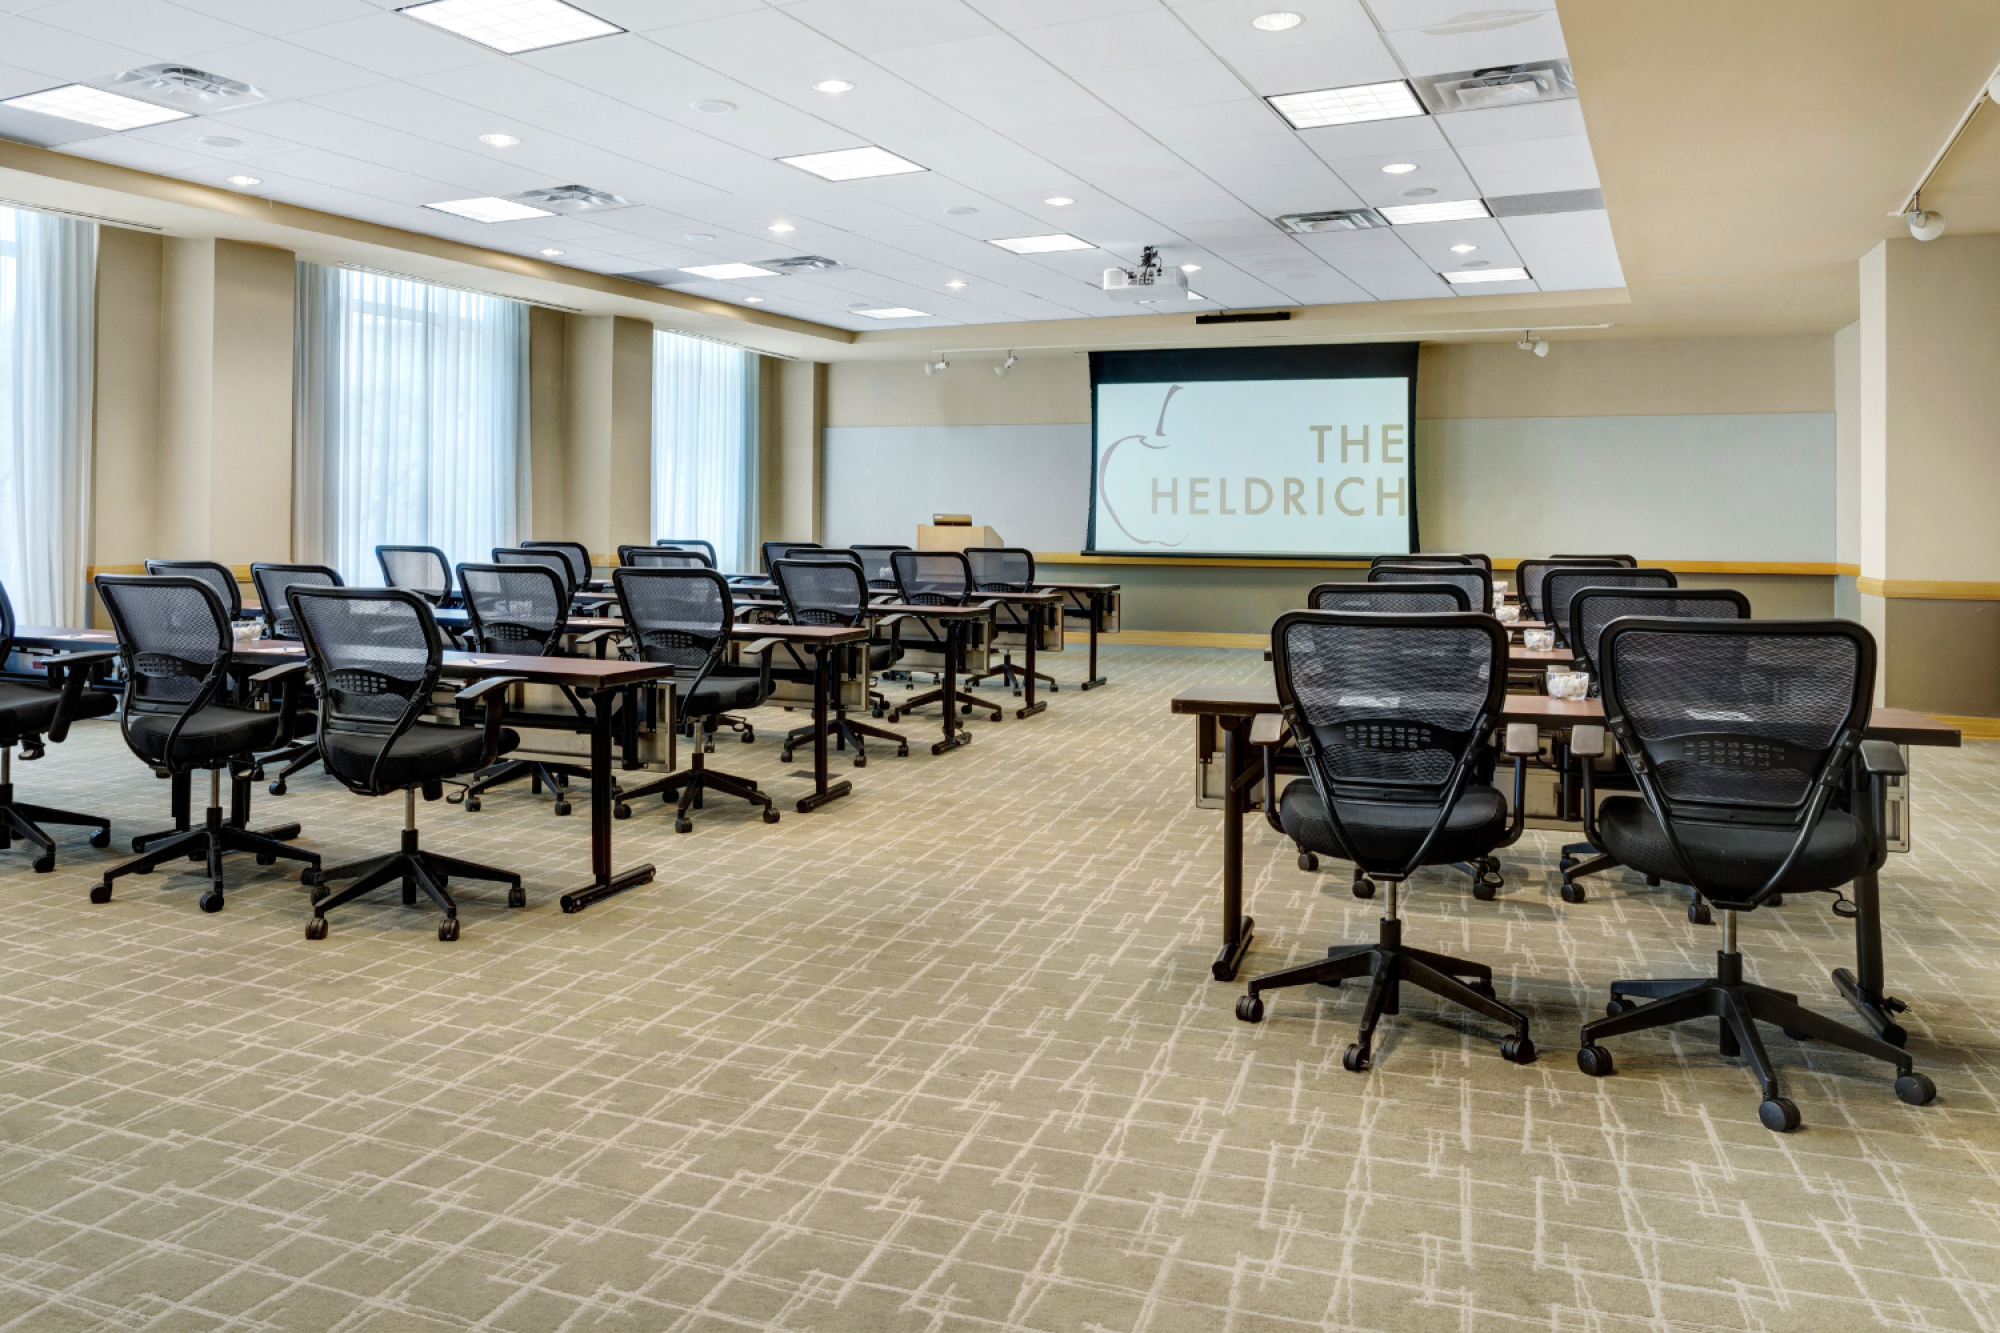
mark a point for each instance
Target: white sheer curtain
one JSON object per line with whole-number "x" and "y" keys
{"x": 412, "y": 419}
{"x": 48, "y": 285}
{"x": 705, "y": 445}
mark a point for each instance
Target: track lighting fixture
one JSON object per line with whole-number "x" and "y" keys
{"x": 1530, "y": 343}
{"x": 936, "y": 367}
{"x": 1006, "y": 365}
{"x": 1925, "y": 226}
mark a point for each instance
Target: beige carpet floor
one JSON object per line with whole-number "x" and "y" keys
{"x": 946, "y": 1057}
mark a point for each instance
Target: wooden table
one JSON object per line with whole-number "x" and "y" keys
{"x": 1088, "y": 601}
{"x": 955, "y": 619}
{"x": 1234, "y": 706}
{"x": 822, "y": 641}
{"x": 1035, "y": 602}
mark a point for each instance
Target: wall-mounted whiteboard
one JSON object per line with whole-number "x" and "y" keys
{"x": 1031, "y": 484}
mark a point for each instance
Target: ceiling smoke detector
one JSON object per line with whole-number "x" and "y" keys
{"x": 189, "y": 88}
{"x": 1151, "y": 281}
{"x": 1336, "y": 219}
{"x": 801, "y": 264}
{"x": 570, "y": 200}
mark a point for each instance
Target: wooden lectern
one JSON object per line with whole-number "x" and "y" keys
{"x": 953, "y": 532}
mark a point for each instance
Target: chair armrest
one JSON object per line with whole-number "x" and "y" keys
{"x": 1523, "y": 740}
{"x": 758, "y": 647}
{"x": 279, "y": 672}
{"x": 1883, "y": 760}
{"x": 597, "y": 634}
{"x": 480, "y": 689}
{"x": 1587, "y": 741}
{"x": 1268, "y": 729}
{"x": 886, "y": 621}
{"x": 81, "y": 658}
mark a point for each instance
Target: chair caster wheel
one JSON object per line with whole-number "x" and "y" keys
{"x": 1618, "y": 1005}
{"x": 1571, "y": 892}
{"x": 683, "y": 826}
{"x": 316, "y": 928}
{"x": 621, "y": 811}
{"x": 1779, "y": 1115}
{"x": 276, "y": 788}
{"x": 1797, "y": 1035}
{"x": 784, "y": 756}
{"x": 770, "y": 815}
{"x": 1364, "y": 888}
{"x": 310, "y": 875}
{"x": 211, "y": 901}
{"x": 902, "y": 752}
{"x": 1518, "y": 1050}
{"x": 516, "y": 896}
{"x": 1308, "y": 862}
{"x": 562, "y": 807}
{"x": 861, "y": 761}
{"x": 100, "y": 838}
{"x": 100, "y": 893}
{"x": 749, "y": 735}
{"x": 257, "y": 774}
{"x": 1355, "y": 1058}
{"x": 448, "y": 930}
{"x": 1595, "y": 1061}
{"x": 1916, "y": 1089}
{"x": 45, "y": 863}
{"x": 1487, "y": 887}
{"x": 472, "y": 803}
{"x": 1699, "y": 915}
{"x": 1250, "y": 1009}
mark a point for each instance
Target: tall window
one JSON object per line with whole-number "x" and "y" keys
{"x": 705, "y": 445}
{"x": 412, "y": 419}
{"x": 48, "y": 279}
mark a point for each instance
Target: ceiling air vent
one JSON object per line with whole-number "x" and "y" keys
{"x": 1338, "y": 219}
{"x": 1500, "y": 85}
{"x": 570, "y": 200}
{"x": 188, "y": 88}
{"x": 800, "y": 264}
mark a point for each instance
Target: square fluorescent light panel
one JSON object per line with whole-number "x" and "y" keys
{"x": 513, "y": 26}
{"x": 1348, "y": 106}
{"x": 852, "y": 164}
{"x": 730, "y": 271}
{"x": 1043, "y": 245}
{"x": 895, "y": 312}
{"x": 94, "y": 106}
{"x": 1463, "y": 276}
{"x": 1453, "y": 210}
{"x": 490, "y": 209}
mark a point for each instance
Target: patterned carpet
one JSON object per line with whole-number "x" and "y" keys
{"x": 946, "y": 1056}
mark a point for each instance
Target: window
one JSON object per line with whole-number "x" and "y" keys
{"x": 412, "y": 419}
{"x": 48, "y": 277}
{"x": 705, "y": 445}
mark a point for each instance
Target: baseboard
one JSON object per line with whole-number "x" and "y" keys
{"x": 1972, "y": 728}
{"x": 1160, "y": 638}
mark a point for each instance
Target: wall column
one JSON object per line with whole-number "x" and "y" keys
{"x": 609, "y": 416}
{"x": 792, "y": 427}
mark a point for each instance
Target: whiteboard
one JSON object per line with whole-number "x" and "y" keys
{"x": 1031, "y": 484}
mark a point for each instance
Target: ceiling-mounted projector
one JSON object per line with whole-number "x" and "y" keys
{"x": 1151, "y": 281}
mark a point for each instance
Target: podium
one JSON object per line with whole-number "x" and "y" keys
{"x": 954, "y": 536}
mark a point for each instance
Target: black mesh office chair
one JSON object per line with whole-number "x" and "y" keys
{"x": 1435, "y": 557}
{"x": 576, "y": 553}
{"x": 1392, "y": 715}
{"x": 1007, "y": 569}
{"x": 1590, "y": 610}
{"x": 663, "y": 557}
{"x": 375, "y": 657}
{"x": 218, "y": 576}
{"x": 876, "y": 566}
{"x": 1630, "y": 562}
{"x": 1476, "y": 580}
{"x": 522, "y": 610}
{"x": 832, "y": 592}
{"x": 1743, "y": 738}
{"x": 684, "y": 617}
{"x": 779, "y": 550}
{"x": 550, "y": 557}
{"x": 272, "y": 581}
{"x": 1393, "y": 598}
{"x": 934, "y": 578}
{"x": 29, "y": 713}
{"x": 1528, "y": 580}
{"x": 1561, "y": 583}
{"x": 424, "y": 570}
{"x": 692, "y": 544}
{"x": 175, "y": 647}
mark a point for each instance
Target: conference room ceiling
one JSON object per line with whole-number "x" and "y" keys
{"x": 1149, "y": 115}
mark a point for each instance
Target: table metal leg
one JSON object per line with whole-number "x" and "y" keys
{"x": 603, "y": 882}
{"x": 1236, "y": 927}
{"x": 1034, "y": 633}
{"x": 1863, "y": 986}
{"x": 1096, "y": 623}
{"x": 823, "y": 687}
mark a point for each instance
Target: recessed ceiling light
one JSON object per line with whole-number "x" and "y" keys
{"x": 219, "y": 141}
{"x": 1190, "y": 268}
{"x": 1059, "y": 201}
{"x": 833, "y": 86}
{"x": 498, "y": 140}
{"x": 1450, "y": 210}
{"x": 1463, "y": 249}
{"x": 729, "y": 271}
{"x": 961, "y": 211}
{"x": 1277, "y": 22}
{"x": 698, "y": 236}
{"x": 896, "y": 312}
{"x": 490, "y": 209}
{"x": 246, "y": 180}
{"x": 1399, "y": 168}
{"x": 781, "y": 227}
{"x": 513, "y": 26}
{"x": 1348, "y": 106}
{"x": 94, "y": 106}
{"x": 852, "y": 164}
{"x": 955, "y": 284}
{"x": 1419, "y": 192}
{"x": 551, "y": 253}
{"x": 1487, "y": 275}
{"x": 711, "y": 106}
{"x": 1479, "y": 263}
{"x": 1042, "y": 245}
{"x": 753, "y": 300}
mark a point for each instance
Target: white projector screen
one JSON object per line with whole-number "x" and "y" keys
{"x": 1295, "y": 451}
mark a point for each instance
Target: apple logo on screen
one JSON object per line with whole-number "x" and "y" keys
{"x": 1145, "y": 442}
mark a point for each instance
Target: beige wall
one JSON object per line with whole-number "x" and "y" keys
{"x": 1626, "y": 377}
{"x": 125, "y": 508}
{"x": 793, "y": 403}
{"x": 548, "y": 424}
{"x": 1038, "y": 391}
{"x": 608, "y": 393}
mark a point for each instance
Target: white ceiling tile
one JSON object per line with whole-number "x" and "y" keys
{"x": 284, "y": 69}
{"x": 1394, "y": 15}
{"x": 1377, "y": 190}
{"x": 1225, "y": 25}
{"x": 142, "y": 155}
{"x": 1325, "y": 286}
{"x": 510, "y": 88}
{"x": 1242, "y": 119}
{"x": 1567, "y": 251}
{"x": 988, "y": 60}
{"x": 739, "y": 43}
{"x": 1186, "y": 84}
{"x": 431, "y": 115}
{"x": 275, "y": 18}
{"x": 393, "y": 45}
{"x": 873, "y": 27}
{"x": 1503, "y": 124}
{"x": 1525, "y": 155}
{"x": 1125, "y": 41}
{"x": 1539, "y": 180}
{"x": 1014, "y": 105}
{"x": 984, "y": 160}
{"x": 1364, "y": 59}
{"x": 1014, "y": 15}
{"x": 1099, "y": 134}
{"x": 62, "y": 55}
{"x": 1432, "y": 242}
{"x": 1439, "y": 51}
{"x": 166, "y": 31}
{"x": 650, "y": 15}
{"x": 1412, "y": 134}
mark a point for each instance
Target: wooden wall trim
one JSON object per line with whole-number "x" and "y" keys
{"x": 1811, "y": 569}
{"x": 1943, "y": 590}
{"x": 1973, "y": 728}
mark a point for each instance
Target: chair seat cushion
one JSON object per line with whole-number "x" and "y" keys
{"x": 423, "y": 753}
{"x": 719, "y": 694}
{"x": 1387, "y": 835}
{"x": 1734, "y": 859}
{"x": 28, "y": 709}
{"x": 882, "y": 656}
{"x": 216, "y": 732}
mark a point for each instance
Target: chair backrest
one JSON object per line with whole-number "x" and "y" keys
{"x": 692, "y": 544}
{"x": 780, "y": 550}
{"x": 1747, "y": 721}
{"x": 1528, "y": 579}
{"x": 424, "y": 570}
{"x": 1477, "y": 580}
{"x": 576, "y": 553}
{"x": 217, "y": 576}
{"x": 375, "y": 654}
{"x": 821, "y": 592}
{"x": 520, "y": 609}
{"x": 678, "y": 616}
{"x": 932, "y": 578}
{"x": 1435, "y": 557}
{"x": 1001, "y": 568}
{"x": 172, "y": 631}
{"x": 537, "y": 555}
{"x": 663, "y": 557}
{"x": 875, "y": 565}
{"x": 1561, "y": 583}
{"x": 1391, "y": 598}
{"x": 1630, "y": 562}
{"x": 271, "y": 582}
{"x": 6, "y": 623}
{"x": 1591, "y": 609}
{"x": 1389, "y": 709}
